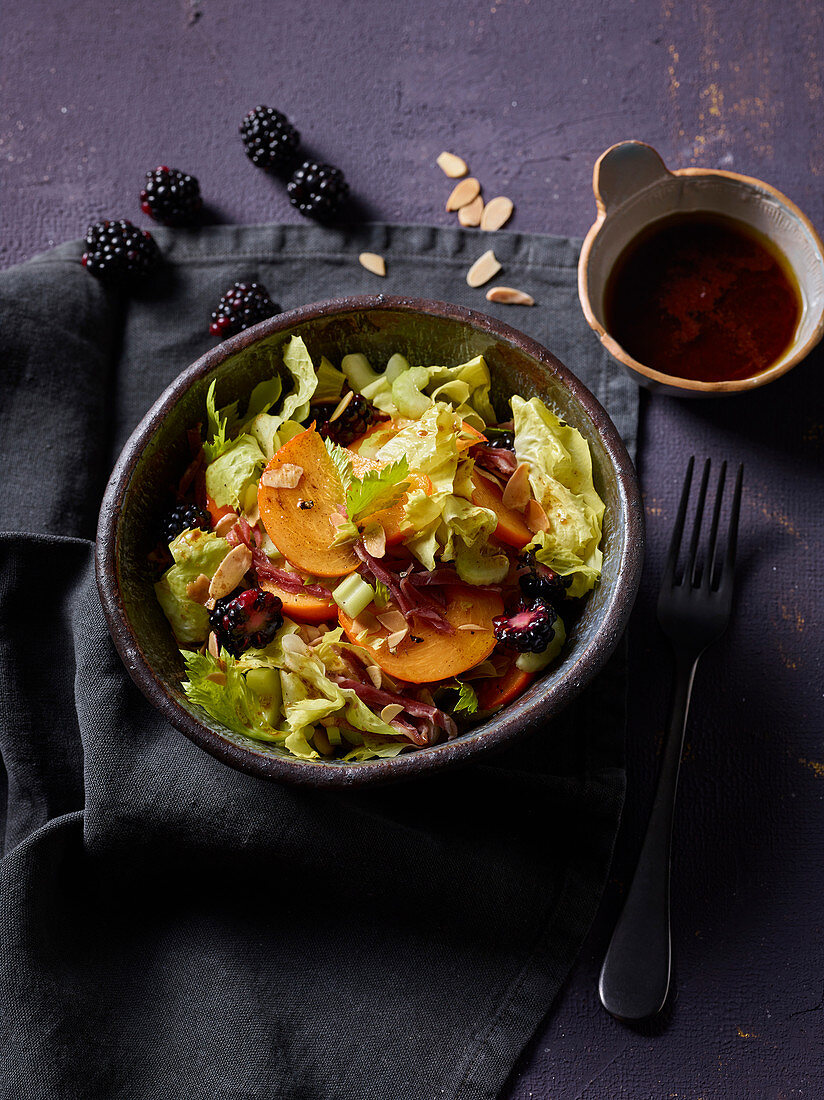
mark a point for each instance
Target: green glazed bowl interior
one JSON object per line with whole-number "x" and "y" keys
{"x": 157, "y": 453}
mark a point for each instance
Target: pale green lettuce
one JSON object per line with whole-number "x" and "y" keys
{"x": 194, "y": 552}
{"x": 238, "y": 466}
{"x": 560, "y": 473}
{"x": 232, "y": 702}
{"x": 408, "y": 391}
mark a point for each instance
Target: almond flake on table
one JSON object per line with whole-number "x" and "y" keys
{"x": 497, "y": 212}
{"x": 463, "y": 194}
{"x": 486, "y": 267}
{"x": 390, "y": 712}
{"x": 470, "y": 215}
{"x": 373, "y": 262}
{"x": 518, "y": 490}
{"x": 229, "y": 573}
{"x": 286, "y": 476}
{"x": 509, "y": 296}
{"x": 452, "y": 165}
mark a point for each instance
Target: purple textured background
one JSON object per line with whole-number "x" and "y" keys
{"x": 530, "y": 93}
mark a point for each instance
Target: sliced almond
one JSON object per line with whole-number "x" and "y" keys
{"x": 497, "y": 212}
{"x": 293, "y": 643}
{"x": 471, "y": 626}
{"x": 486, "y": 267}
{"x": 225, "y": 524}
{"x": 463, "y": 193}
{"x": 451, "y": 165}
{"x": 229, "y": 573}
{"x": 198, "y": 589}
{"x": 394, "y": 640}
{"x": 509, "y": 296}
{"x": 213, "y": 647}
{"x": 392, "y": 620}
{"x": 374, "y": 539}
{"x": 366, "y": 623}
{"x": 518, "y": 491}
{"x": 375, "y": 675}
{"x": 218, "y": 678}
{"x": 286, "y": 476}
{"x": 373, "y": 262}
{"x": 471, "y": 213}
{"x": 342, "y": 406}
{"x": 390, "y": 712}
{"x": 535, "y": 517}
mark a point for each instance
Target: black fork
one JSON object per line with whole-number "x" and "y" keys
{"x": 694, "y": 607}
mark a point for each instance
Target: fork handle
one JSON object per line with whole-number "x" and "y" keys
{"x": 635, "y": 976}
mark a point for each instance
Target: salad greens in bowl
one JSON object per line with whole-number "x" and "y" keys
{"x": 367, "y": 538}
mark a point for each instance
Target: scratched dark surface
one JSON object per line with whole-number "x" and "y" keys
{"x": 530, "y": 93}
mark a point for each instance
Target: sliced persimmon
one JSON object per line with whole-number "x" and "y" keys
{"x": 511, "y": 527}
{"x": 299, "y": 520}
{"x": 301, "y": 606}
{"x": 437, "y": 656}
{"x": 496, "y": 693}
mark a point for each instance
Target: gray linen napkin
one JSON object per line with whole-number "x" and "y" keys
{"x": 175, "y": 929}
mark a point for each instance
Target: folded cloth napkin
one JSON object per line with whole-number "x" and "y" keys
{"x": 173, "y": 928}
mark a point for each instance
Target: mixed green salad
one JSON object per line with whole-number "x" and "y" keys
{"x": 361, "y": 562}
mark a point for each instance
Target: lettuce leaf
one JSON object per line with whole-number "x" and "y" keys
{"x": 298, "y": 362}
{"x": 330, "y": 382}
{"x": 238, "y": 465}
{"x": 194, "y": 552}
{"x": 218, "y": 425}
{"x": 406, "y": 391}
{"x": 560, "y": 474}
{"x": 227, "y": 698}
{"x": 467, "y": 699}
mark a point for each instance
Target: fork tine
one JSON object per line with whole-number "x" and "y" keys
{"x": 732, "y": 540}
{"x": 709, "y": 573}
{"x": 689, "y": 565}
{"x": 678, "y": 529}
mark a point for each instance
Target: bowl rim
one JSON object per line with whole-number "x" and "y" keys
{"x": 672, "y": 381}
{"x": 590, "y": 661}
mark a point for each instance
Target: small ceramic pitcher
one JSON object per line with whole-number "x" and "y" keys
{"x": 633, "y": 188}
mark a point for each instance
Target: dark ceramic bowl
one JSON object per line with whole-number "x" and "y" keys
{"x": 425, "y": 332}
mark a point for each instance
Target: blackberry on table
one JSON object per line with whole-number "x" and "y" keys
{"x": 170, "y": 196}
{"x": 270, "y": 139}
{"x": 119, "y": 251}
{"x": 317, "y": 190}
{"x": 355, "y": 420}
{"x": 243, "y": 305}
{"x": 185, "y": 517}
{"x": 251, "y": 619}
{"x": 529, "y": 630}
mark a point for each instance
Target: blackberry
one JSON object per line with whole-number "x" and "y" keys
{"x": 355, "y": 420}
{"x": 243, "y": 305}
{"x": 249, "y": 620}
{"x": 539, "y": 582}
{"x": 317, "y": 190}
{"x": 170, "y": 197}
{"x": 119, "y": 251}
{"x": 185, "y": 517}
{"x": 529, "y": 630}
{"x": 270, "y": 139}
{"x": 500, "y": 437}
